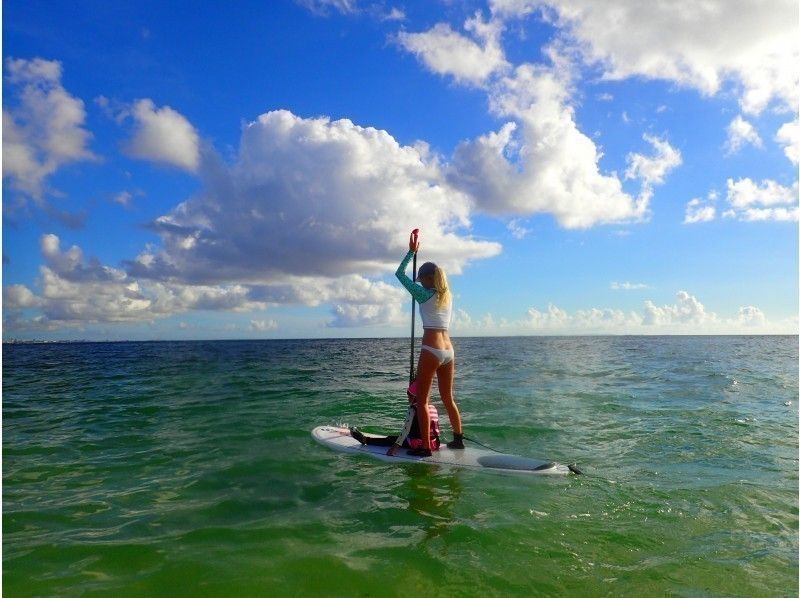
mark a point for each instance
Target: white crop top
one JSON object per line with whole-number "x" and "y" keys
{"x": 435, "y": 317}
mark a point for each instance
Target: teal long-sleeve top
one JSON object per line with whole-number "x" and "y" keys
{"x": 418, "y": 292}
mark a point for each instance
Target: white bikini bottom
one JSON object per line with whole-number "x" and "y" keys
{"x": 443, "y": 355}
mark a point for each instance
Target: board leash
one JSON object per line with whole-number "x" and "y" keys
{"x": 481, "y": 444}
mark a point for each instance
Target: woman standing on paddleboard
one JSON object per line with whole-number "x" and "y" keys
{"x": 436, "y": 356}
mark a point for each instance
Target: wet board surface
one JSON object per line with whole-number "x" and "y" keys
{"x": 339, "y": 439}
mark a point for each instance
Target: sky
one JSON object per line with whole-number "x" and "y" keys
{"x": 214, "y": 170}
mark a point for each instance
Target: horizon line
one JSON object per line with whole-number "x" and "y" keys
{"x": 16, "y": 341}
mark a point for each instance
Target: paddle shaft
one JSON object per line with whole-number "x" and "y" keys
{"x": 411, "y": 374}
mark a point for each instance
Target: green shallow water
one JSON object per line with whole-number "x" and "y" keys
{"x": 188, "y": 468}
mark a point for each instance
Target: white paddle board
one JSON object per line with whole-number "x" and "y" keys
{"x": 339, "y": 439}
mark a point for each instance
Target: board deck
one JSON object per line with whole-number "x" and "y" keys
{"x": 339, "y": 439}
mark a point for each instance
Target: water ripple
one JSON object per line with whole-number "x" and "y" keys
{"x": 155, "y": 468}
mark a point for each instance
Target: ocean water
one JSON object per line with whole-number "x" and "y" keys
{"x": 187, "y": 468}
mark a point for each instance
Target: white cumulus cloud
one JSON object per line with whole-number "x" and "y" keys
{"x": 43, "y": 129}
{"x": 782, "y": 214}
{"x": 354, "y": 315}
{"x": 312, "y": 198}
{"x": 163, "y": 135}
{"x": 751, "y": 316}
{"x": 652, "y": 170}
{"x": 555, "y": 320}
{"x": 18, "y": 296}
{"x": 696, "y": 44}
{"x": 76, "y": 290}
{"x": 306, "y": 213}
{"x": 748, "y": 201}
{"x": 746, "y": 193}
{"x": 687, "y": 315}
{"x": 741, "y": 133}
{"x": 468, "y": 59}
{"x": 698, "y": 210}
{"x": 687, "y": 311}
{"x": 540, "y": 162}
{"x": 789, "y": 137}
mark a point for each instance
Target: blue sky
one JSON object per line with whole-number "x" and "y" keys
{"x": 252, "y": 170}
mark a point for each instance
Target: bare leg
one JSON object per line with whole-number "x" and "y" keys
{"x": 445, "y": 375}
{"x": 427, "y": 367}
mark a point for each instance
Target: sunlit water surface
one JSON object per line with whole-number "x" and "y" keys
{"x": 188, "y": 468}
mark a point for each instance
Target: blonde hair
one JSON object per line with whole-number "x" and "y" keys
{"x": 443, "y": 295}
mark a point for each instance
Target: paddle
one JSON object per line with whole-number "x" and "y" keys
{"x": 411, "y": 374}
